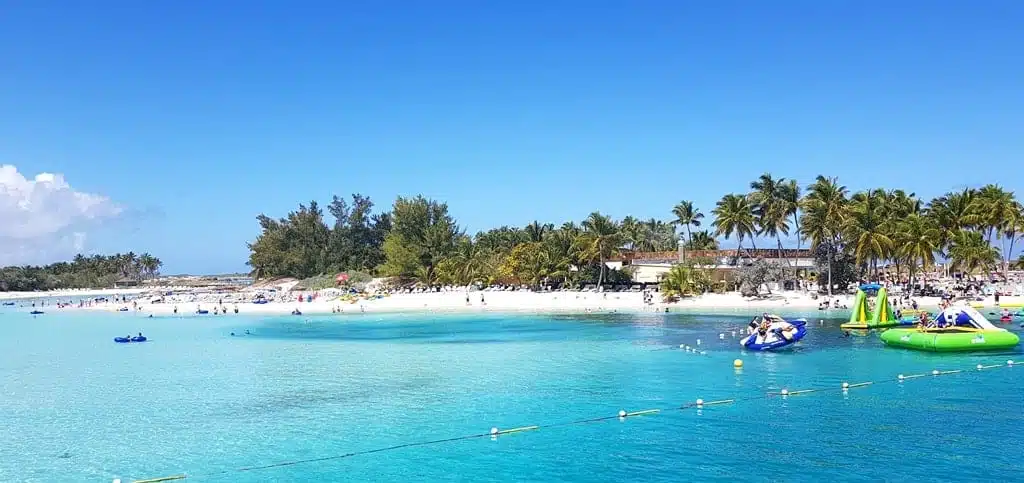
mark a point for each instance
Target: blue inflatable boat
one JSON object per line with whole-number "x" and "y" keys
{"x": 125, "y": 340}
{"x": 778, "y": 333}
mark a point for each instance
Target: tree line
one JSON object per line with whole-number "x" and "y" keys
{"x": 81, "y": 272}
{"x": 851, "y": 235}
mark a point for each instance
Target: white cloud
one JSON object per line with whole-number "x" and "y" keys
{"x": 45, "y": 219}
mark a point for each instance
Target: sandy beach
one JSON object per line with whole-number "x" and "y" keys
{"x": 75, "y": 294}
{"x": 497, "y": 301}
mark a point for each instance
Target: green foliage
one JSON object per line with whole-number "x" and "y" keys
{"x": 760, "y": 272}
{"x": 82, "y": 272}
{"x": 702, "y": 240}
{"x": 422, "y": 235}
{"x": 850, "y": 234}
{"x": 684, "y": 281}
{"x": 301, "y": 245}
{"x": 734, "y": 215}
{"x": 838, "y": 265}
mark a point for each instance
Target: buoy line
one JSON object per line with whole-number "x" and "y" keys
{"x": 494, "y": 433}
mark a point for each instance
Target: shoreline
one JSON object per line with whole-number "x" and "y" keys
{"x": 496, "y": 302}
{"x": 71, "y": 293}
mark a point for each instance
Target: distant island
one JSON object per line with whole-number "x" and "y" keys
{"x": 96, "y": 271}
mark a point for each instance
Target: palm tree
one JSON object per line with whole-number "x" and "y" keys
{"x": 825, "y": 213}
{"x": 630, "y": 228}
{"x": 687, "y": 215}
{"x": 1013, "y": 225}
{"x": 535, "y": 231}
{"x": 734, "y": 215}
{"x": 789, "y": 196}
{"x": 470, "y": 262}
{"x": 994, "y": 206}
{"x": 770, "y": 208}
{"x": 953, "y": 212}
{"x": 702, "y": 240}
{"x": 867, "y": 228}
{"x": 969, "y": 252}
{"x": 917, "y": 239}
{"x": 897, "y": 207}
{"x": 600, "y": 241}
{"x": 664, "y": 234}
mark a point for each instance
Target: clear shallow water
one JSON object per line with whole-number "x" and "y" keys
{"x": 77, "y": 407}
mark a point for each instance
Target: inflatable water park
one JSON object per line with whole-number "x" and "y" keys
{"x": 955, "y": 329}
{"x": 771, "y": 332}
{"x": 863, "y": 317}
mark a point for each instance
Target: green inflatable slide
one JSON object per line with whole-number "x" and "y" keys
{"x": 862, "y": 317}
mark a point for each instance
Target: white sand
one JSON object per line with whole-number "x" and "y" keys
{"x": 75, "y": 294}
{"x": 544, "y": 302}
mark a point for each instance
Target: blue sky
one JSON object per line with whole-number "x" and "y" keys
{"x": 196, "y": 117}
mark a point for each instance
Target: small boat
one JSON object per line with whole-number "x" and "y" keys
{"x": 9, "y": 303}
{"x": 776, "y": 334}
{"x": 202, "y": 312}
{"x": 37, "y": 312}
{"x": 125, "y": 340}
{"x": 955, "y": 329}
{"x": 122, "y": 309}
{"x": 296, "y": 312}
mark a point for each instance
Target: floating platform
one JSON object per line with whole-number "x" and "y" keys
{"x": 956, "y": 329}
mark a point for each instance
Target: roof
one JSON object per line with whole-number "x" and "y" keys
{"x": 674, "y": 255}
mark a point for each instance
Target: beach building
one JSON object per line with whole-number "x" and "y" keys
{"x": 126, "y": 282}
{"x": 648, "y": 267}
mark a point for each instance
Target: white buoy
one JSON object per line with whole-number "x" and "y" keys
{"x": 681, "y": 346}
{"x": 900, "y": 377}
{"x": 494, "y": 431}
{"x": 980, "y": 367}
{"x": 622, "y": 413}
{"x": 117, "y": 480}
{"x": 785, "y": 392}
{"x": 734, "y": 333}
{"x": 721, "y": 336}
{"x": 935, "y": 372}
{"x": 846, "y": 386}
{"x": 698, "y": 341}
{"x": 700, "y": 402}
{"x": 1009, "y": 362}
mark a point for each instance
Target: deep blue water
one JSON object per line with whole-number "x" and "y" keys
{"x": 77, "y": 407}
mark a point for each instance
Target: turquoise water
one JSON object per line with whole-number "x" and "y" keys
{"x": 77, "y": 407}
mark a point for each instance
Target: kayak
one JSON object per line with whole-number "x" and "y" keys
{"x": 125, "y": 340}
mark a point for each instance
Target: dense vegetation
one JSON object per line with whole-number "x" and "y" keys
{"x": 81, "y": 272}
{"x": 852, "y": 235}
